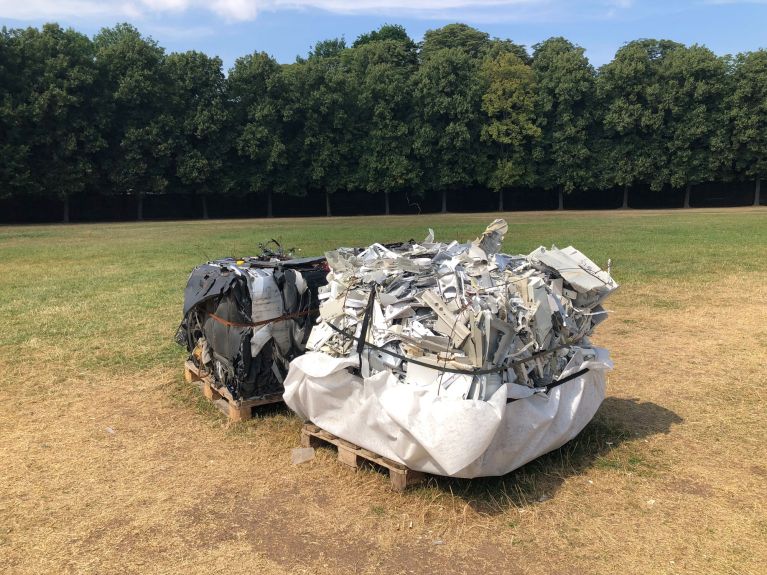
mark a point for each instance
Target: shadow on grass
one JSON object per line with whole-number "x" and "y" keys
{"x": 607, "y": 442}
{"x": 271, "y": 410}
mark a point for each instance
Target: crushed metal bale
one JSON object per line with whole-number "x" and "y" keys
{"x": 454, "y": 358}
{"x": 245, "y": 319}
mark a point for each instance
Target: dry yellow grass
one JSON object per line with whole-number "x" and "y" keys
{"x": 670, "y": 478}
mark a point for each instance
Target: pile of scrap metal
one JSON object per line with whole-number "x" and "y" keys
{"x": 246, "y": 319}
{"x": 455, "y": 359}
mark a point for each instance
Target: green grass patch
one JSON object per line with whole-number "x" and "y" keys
{"x": 109, "y": 295}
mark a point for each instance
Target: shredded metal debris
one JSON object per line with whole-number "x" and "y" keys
{"x": 467, "y": 307}
{"x": 244, "y": 320}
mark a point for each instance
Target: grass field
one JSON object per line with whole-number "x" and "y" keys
{"x": 109, "y": 463}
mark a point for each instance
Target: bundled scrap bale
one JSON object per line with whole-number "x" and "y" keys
{"x": 244, "y": 320}
{"x": 453, "y": 358}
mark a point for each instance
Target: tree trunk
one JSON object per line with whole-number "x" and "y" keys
{"x": 140, "y": 206}
{"x": 327, "y": 205}
{"x": 204, "y": 207}
{"x": 500, "y": 200}
{"x": 625, "y": 205}
{"x": 687, "y": 195}
{"x": 444, "y": 201}
{"x": 757, "y": 190}
{"x": 386, "y": 203}
{"x": 65, "y": 215}
{"x": 561, "y": 205}
{"x": 269, "y": 210}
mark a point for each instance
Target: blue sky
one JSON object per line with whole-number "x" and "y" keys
{"x": 287, "y": 28}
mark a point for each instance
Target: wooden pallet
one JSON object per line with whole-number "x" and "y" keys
{"x": 221, "y": 397}
{"x": 352, "y": 455}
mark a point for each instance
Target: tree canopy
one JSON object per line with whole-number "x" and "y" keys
{"x": 456, "y": 112}
{"x": 746, "y": 105}
{"x": 565, "y": 115}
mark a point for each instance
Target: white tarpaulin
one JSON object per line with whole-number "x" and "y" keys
{"x": 443, "y": 435}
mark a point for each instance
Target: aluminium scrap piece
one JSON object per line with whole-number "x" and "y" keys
{"x": 226, "y": 327}
{"x": 452, "y": 358}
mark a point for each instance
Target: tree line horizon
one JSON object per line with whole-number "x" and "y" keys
{"x": 459, "y": 111}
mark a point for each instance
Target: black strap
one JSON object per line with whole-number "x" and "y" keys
{"x": 554, "y": 384}
{"x": 362, "y": 343}
{"x": 366, "y": 323}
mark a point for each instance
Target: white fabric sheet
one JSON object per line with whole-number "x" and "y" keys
{"x": 437, "y": 433}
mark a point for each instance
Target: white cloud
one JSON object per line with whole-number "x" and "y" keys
{"x": 42, "y": 9}
{"x": 236, "y": 9}
{"x": 382, "y": 5}
{"x": 242, "y": 10}
{"x": 166, "y": 5}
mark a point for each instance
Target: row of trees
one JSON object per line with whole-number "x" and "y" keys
{"x": 458, "y": 111}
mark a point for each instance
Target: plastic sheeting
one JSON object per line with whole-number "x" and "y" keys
{"x": 441, "y": 434}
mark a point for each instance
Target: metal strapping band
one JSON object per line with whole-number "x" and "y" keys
{"x": 285, "y": 317}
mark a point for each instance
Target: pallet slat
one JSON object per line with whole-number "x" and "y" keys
{"x": 234, "y": 409}
{"x": 351, "y": 455}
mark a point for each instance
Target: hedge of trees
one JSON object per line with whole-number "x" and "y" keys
{"x": 456, "y": 112}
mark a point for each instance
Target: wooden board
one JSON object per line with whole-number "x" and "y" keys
{"x": 352, "y": 455}
{"x": 234, "y": 409}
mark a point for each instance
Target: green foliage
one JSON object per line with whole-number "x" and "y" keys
{"x": 265, "y": 130}
{"x": 196, "y": 99}
{"x": 694, "y": 82}
{"x": 136, "y": 106}
{"x": 473, "y": 42}
{"x": 328, "y": 115}
{"x": 52, "y": 128}
{"x": 15, "y": 176}
{"x": 564, "y": 114}
{"x": 747, "y": 106}
{"x": 382, "y": 67}
{"x": 509, "y": 103}
{"x": 470, "y": 41}
{"x": 458, "y": 111}
{"x": 633, "y": 121}
{"x": 387, "y": 32}
{"x": 664, "y": 118}
{"x": 327, "y": 48}
{"x": 448, "y": 90}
